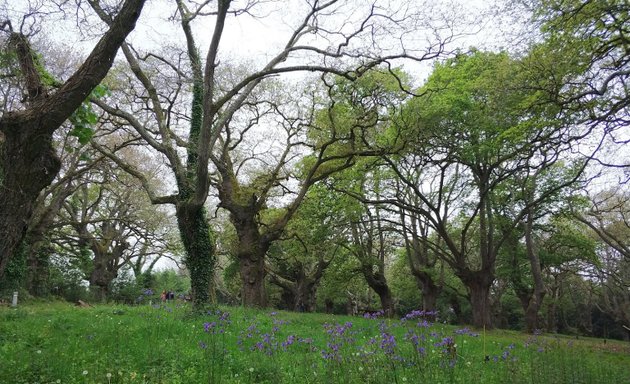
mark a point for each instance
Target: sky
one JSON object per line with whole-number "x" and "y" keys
{"x": 258, "y": 36}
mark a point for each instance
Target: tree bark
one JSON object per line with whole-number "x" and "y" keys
{"x": 28, "y": 162}
{"x": 387, "y": 302}
{"x": 38, "y": 260}
{"x": 536, "y": 300}
{"x": 378, "y": 283}
{"x": 251, "y": 255}
{"x": 430, "y": 293}
{"x": 200, "y": 253}
{"x": 555, "y": 293}
{"x": 478, "y": 284}
{"x": 305, "y": 298}
{"x": 105, "y": 270}
{"x": 253, "y": 279}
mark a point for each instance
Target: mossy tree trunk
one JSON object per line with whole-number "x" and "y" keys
{"x": 28, "y": 162}
{"x": 200, "y": 252}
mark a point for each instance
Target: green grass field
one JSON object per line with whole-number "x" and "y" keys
{"x": 61, "y": 343}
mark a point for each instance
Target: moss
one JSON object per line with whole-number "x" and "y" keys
{"x": 200, "y": 253}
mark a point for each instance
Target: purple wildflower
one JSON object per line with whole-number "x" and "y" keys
{"x": 445, "y": 342}
{"x": 373, "y": 315}
{"x": 420, "y": 314}
{"x": 290, "y": 340}
{"x": 388, "y": 343}
{"x": 208, "y": 326}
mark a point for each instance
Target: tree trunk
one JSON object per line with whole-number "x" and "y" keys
{"x": 99, "y": 292}
{"x": 105, "y": 270}
{"x": 28, "y": 165}
{"x": 253, "y": 278}
{"x": 552, "y": 307}
{"x": 387, "y": 302}
{"x": 478, "y": 284}
{"x": 251, "y": 252}
{"x": 287, "y": 299}
{"x": 531, "y": 312}
{"x": 298, "y": 297}
{"x": 419, "y": 263}
{"x": 453, "y": 300}
{"x": 430, "y": 291}
{"x": 378, "y": 283}
{"x": 300, "y": 288}
{"x": 305, "y": 298}
{"x": 37, "y": 244}
{"x": 38, "y": 261}
{"x": 100, "y": 279}
{"x": 531, "y": 316}
{"x": 200, "y": 254}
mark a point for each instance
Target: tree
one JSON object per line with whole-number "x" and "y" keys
{"x": 311, "y": 242}
{"x": 371, "y": 232}
{"x": 38, "y": 245}
{"x": 613, "y": 275}
{"x": 422, "y": 245}
{"x": 536, "y": 194}
{"x": 28, "y": 162}
{"x": 224, "y": 107}
{"x": 108, "y": 224}
{"x": 595, "y": 33}
{"x": 370, "y": 246}
{"x": 608, "y": 216}
{"x": 585, "y": 58}
{"x": 478, "y": 126}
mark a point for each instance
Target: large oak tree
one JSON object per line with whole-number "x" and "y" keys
{"x": 28, "y": 162}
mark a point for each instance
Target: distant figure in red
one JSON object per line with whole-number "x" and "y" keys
{"x": 163, "y": 296}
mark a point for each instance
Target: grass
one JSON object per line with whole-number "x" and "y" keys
{"x": 61, "y": 343}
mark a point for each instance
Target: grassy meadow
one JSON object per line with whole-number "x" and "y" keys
{"x": 62, "y": 343}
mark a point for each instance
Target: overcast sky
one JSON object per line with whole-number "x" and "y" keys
{"x": 257, "y": 37}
